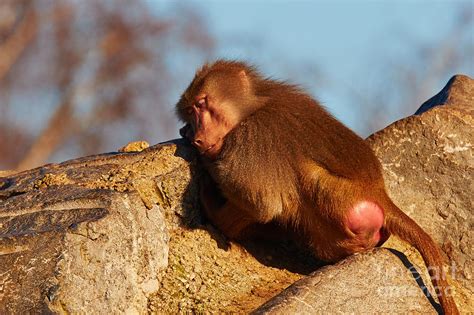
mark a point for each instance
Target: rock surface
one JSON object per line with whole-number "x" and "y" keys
{"x": 428, "y": 167}
{"x": 459, "y": 91}
{"x": 121, "y": 232}
{"x": 367, "y": 283}
{"x": 78, "y": 237}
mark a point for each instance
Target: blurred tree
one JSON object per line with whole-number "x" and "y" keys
{"x": 81, "y": 77}
{"x": 406, "y": 80}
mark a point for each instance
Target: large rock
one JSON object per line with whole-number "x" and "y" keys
{"x": 89, "y": 235}
{"x": 428, "y": 168}
{"x": 366, "y": 283}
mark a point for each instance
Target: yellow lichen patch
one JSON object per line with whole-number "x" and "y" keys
{"x": 114, "y": 180}
{"x": 52, "y": 180}
{"x": 136, "y": 146}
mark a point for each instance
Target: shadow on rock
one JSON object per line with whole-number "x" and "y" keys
{"x": 419, "y": 280}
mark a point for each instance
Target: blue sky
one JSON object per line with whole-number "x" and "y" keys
{"x": 351, "y": 43}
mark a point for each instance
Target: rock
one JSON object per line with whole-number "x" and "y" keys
{"x": 4, "y": 173}
{"x": 459, "y": 91}
{"x": 93, "y": 266}
{"x": 428, "y": 167}
{"x": 366, "y": 283}
{"x": 112, "y": 264}
{"x": 428, "y": 164}
{"x": 136, "y": 146}
{"x": 89, "y": 235}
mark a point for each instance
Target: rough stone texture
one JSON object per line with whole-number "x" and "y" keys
{"x": 113, "y": 260}
{"x": 428, "y": 168}
{"x": 89, "y": 235}
{"x": 368, "y": 283}
{"x": 459, "y": 91}
{"x": 27, "y": 268}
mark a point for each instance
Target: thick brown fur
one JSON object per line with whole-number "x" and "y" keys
{"x": 288, "y": 160}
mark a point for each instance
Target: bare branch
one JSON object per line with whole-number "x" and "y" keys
{"x": 15, "y": 44}
{"x": 58, "y": 127}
